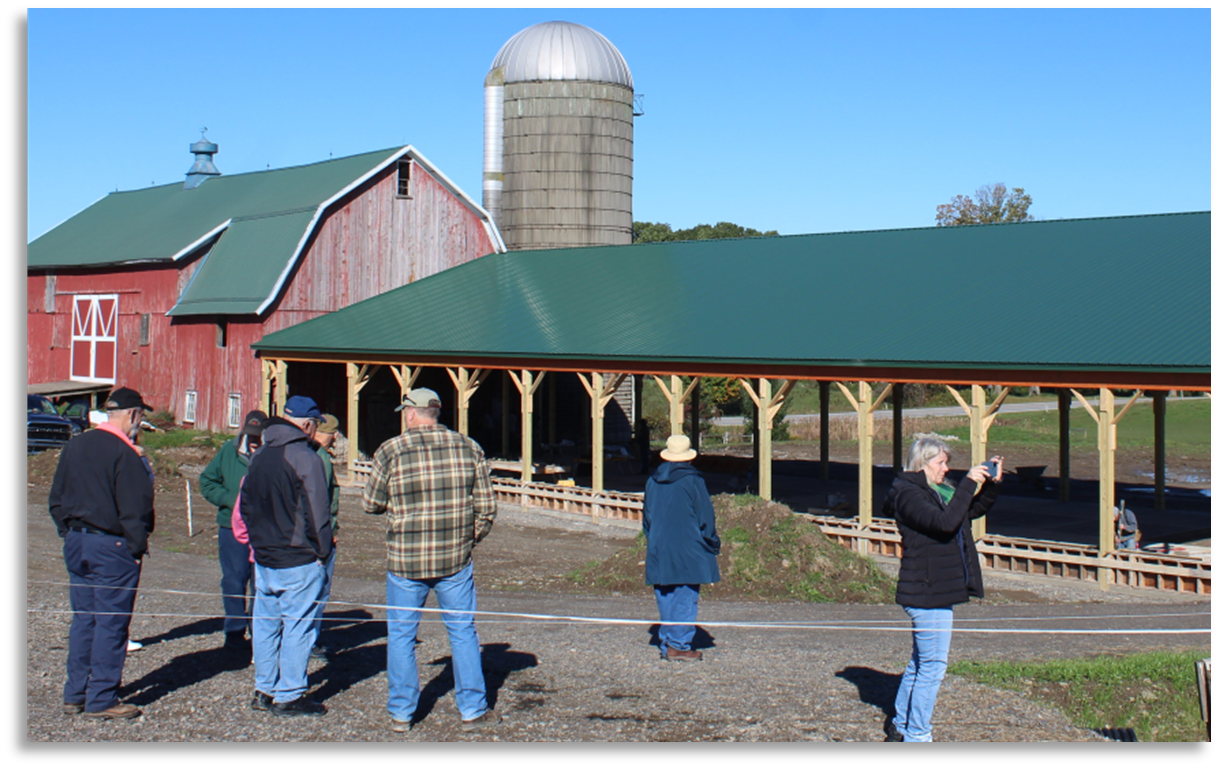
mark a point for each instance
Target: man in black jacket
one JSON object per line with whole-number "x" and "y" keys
{"x": 102, "y": 503}
{"x": 285, "y": 505}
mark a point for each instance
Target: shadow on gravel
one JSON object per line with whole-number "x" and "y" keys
{"x": 876, "y": 688}
{"x": 498, "y": 664}
{"x": 702, "y": 639}
{"x": 182, "y": 672}
{"x": 199, "y": 627}
{"x": 350, "y": 637}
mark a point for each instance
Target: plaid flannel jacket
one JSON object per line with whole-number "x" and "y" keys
{"x": 435, "y": 486}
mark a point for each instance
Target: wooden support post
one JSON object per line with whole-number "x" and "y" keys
{"x": 1065, "y": 445}
{"x": 1107, "y": 443}
{"x": 1158, "y": 433}
{"x": 676, "y": 397}
{"x": 527, "y": 385}
{"x": 981, "y": 416}
{"x": 466, "y": 385}
{"x": 865, "y": 405}
{"x": 551, "y": 389}
{"x": 357, "y": 377}
{"x": 768, "y": 405}
{"x": 406, "y": 381}
{"x": 600, "y": 393}
{"x": 896, "y": 425}
{"x": 268, "y": 376}
{"x": 824, "y": 416}
{"x": 281, "y": 387}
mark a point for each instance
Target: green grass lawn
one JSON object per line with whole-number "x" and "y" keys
{"x": 1154, "y": 693}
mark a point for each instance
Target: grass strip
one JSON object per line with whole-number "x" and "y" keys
{"x": 1154, "y": 693}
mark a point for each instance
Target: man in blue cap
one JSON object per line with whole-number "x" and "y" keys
{"x": 285, "y": 505}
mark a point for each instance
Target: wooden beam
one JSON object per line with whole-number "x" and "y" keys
{"x": 527, "y": 386}
{"x": 864, "y": 416}
{"x": 958, "y": 397}
{"x": 1107, "y": 437}
{"x": 855, "y": 405}
{"x": 353, "y": 415}
{"x": 595, "y": 385}
{"x": 1127, "y": 408}
{"x": 281, "y": 386}
{"x": 763, "y": 447}
{"x": 466, "y": 385}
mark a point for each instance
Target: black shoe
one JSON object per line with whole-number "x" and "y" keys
{"x": 301, "y": 706}
{"x": 891, "y": 732}
{"x": 319, "y": 653}
{"x": 261, "y": 701}
{"x": 237, "y": 641}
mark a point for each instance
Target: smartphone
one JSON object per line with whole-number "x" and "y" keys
{"x": 993, "y": 469}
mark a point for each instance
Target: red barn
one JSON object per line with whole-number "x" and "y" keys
{"x": 164, "y": 289}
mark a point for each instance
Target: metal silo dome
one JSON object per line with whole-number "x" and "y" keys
{"x": 561, "y": 50}
{"x": 558, "y": 112}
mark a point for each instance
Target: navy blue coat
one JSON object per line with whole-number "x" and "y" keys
{"x": 681, "y": 528}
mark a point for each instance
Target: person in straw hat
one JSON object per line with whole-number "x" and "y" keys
{"x": 680, "y": 525}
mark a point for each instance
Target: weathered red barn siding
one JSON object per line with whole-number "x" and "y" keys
{"x": 379, "y": 241}
{"x": 371, "y": 243}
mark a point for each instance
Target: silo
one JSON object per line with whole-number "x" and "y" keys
{"x": 557, "y": 146}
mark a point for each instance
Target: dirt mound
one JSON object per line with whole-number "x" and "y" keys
{"x": 767, "y": 553}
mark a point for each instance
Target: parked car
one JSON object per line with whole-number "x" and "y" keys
{"x": 45, "y": 428}
{"x": 77, "y": 412}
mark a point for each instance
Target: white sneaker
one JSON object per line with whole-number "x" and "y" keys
{"x": 134, "y": 645}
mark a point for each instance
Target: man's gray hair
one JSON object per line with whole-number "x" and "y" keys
{"x": 923, "y": 451}
{"x": 431, "y": 413}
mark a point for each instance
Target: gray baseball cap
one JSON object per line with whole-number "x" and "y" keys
{"x": 420, "y": 398}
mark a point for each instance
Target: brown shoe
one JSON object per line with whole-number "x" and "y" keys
{"x": 488, "y": 719}
{"x": 683, "y": 655}
{"x": 117, "y": 710}
{"x": 73, "y": 708}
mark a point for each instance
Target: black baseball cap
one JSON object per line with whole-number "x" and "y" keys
{"x": 253, "y": 425}
{"x": 126, "y": 398}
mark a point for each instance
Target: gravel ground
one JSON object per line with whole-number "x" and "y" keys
{"x": 567, "y": 681}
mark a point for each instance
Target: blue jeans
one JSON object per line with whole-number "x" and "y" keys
{"x": 235, "y": 573}
{"x": 453, "y": 592}
{"x": 283, "y": 634}
{"x": 933, "y": 629}
{"x": 677, "y": 603}
{"x": 330, "y": 575}
{"x": 103, "y": 578}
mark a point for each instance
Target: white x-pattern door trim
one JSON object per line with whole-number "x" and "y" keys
{"x": 95, "y": 336}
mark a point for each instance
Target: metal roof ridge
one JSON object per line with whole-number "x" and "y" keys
{"x": 906, "y": 229}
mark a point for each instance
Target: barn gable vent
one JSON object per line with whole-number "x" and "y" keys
{"x": 204, "y": 167}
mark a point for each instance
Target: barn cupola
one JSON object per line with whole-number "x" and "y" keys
{"x": 204, "y": 167}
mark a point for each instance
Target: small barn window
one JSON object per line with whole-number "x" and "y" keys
{"x": 144, "y": 329}
{"x": 234, "y": 409}
{"x": 192, "y": 399}
{"x": 404, "y": 178}
{"x": 48, "y": 299}
{"x": 222, "y": 333}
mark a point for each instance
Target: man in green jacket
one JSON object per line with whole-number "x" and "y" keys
{"x": 328, "y": 430}
{"x": 220, "y": 484}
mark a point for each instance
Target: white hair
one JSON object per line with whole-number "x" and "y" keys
{"x": 923, "y": 451}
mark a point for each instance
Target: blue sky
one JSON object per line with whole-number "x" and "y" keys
{"x": 799, "y": 120}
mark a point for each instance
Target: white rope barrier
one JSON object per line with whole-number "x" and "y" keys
{"x": 855, "y": 625}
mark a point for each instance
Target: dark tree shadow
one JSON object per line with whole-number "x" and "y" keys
{"x": 876, "y": 688}
{"x": 702, "y": 639}
{"x": 498, "y": 664}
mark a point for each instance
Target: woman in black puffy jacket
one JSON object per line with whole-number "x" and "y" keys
{"x": 940, "y": 568}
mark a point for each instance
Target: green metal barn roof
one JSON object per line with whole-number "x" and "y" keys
{"x": 258, "y": 221}
{"x": 1125, "y": 293}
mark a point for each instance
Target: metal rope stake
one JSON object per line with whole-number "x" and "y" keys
{"x": 190, "y": 519}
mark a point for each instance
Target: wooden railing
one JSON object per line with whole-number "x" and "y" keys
{"x": 1064, "y": 560}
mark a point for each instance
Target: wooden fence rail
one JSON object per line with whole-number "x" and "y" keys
{"x": 1065, "y": 560}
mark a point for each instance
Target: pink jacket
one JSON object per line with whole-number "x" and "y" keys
{"x": 240, "y": 533}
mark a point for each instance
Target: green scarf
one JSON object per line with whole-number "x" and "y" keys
{"x": 945, "y": 490}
